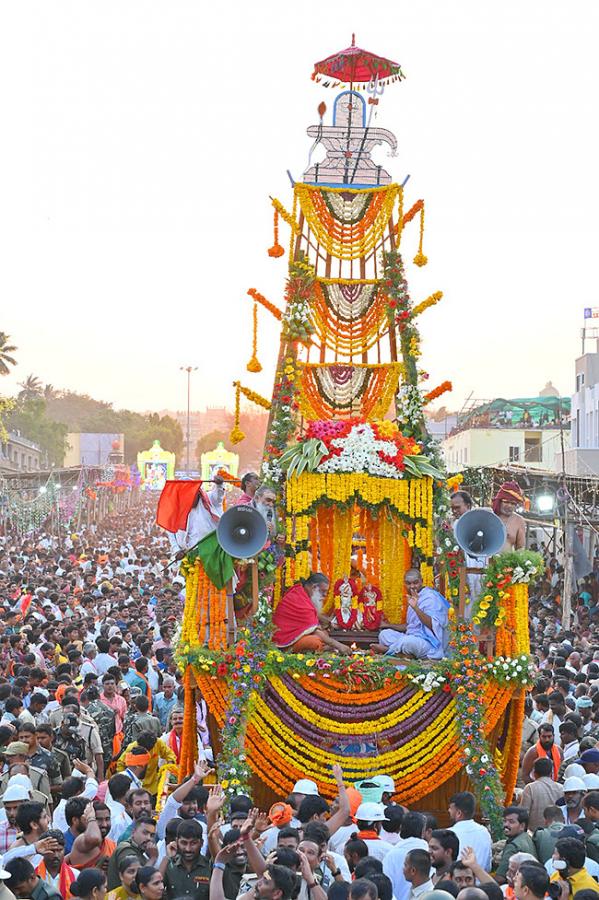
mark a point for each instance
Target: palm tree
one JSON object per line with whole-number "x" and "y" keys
{"x": 50, "y": 392}
{"x": 31, "y": 388}
{"x": 6, "y": 348}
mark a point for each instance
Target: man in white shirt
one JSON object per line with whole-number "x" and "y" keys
{"x": 81, "y": 784}
{"x": 412, "y": 829}
{"x": 469, "y": 832}
{"x": 118, "y": 786}
{"x": 416, "y": 870}
{"x": 90, "y": 651}
{"x": 568, "y": 733}
{"x": 369, "y": 819}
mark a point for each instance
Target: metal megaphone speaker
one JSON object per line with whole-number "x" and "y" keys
{"x": 242, "y": 532}
{"x": 479, "y": 532}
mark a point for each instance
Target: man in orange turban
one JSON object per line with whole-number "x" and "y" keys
{"x": 506, "y": 500}
{"x": 136, "y": 763}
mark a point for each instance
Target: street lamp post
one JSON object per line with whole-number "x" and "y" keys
{"x": 189, "y": 370}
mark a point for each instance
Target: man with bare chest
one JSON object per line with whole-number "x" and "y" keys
{"x": 506, "y": 500}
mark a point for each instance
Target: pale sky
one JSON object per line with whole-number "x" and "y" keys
{"x": 141, "y": 141}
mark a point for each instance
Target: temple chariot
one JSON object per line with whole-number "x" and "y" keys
{"x": 362, "y": 497}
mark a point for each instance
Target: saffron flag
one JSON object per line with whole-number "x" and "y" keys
{"x": 175, "y": 503}
{"x": 25, "y": 604}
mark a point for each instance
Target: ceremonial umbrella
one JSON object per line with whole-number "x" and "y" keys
{"x": 357, "y": 66}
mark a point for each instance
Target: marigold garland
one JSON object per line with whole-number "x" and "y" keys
{"x": 336, "y": 325}
{"x": 254, "y": 363}
{"x": 420, "y": 259}
{"x": 407, "y": 217}
{"x": 426, "y": 304}
{"x": 236, "y": 435}
{"x": 340, "y": 238}
{"x": 261, "y": 299}
{"x": 285, "y": 215}
{"x": 253, "y": 397}
{"x": 376, "y": 386}
{"x": 438, "y": 391}
{"x": 276, "y": 250}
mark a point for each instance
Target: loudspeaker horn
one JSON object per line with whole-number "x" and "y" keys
{"x": 242, "y": 532}
{"x": 479, "y": 532}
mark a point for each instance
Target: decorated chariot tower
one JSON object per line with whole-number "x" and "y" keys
{"x": 361, "y": 497}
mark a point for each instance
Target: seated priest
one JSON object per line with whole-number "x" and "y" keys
{"x": 425, "y": 633}
{"x": 298, "y": 620}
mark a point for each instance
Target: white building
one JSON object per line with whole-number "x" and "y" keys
{"x": 525, "y": 431}
{"x": 583, "y": 458}
{"x": 20, "y": 455}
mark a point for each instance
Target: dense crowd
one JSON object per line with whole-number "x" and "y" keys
{"x": 91, "y": 707}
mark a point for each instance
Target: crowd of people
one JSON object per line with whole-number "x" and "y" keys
{"x": 91, "y": 711}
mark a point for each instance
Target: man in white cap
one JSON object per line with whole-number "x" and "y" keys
{"x": 304, "y": 788}
{"x": 13, "y": 796}
{"x": 376, "y": 789}
{"x": 571, "y": 804}
{"x": 584, "y": 708}
{"x": 369, "y": 819}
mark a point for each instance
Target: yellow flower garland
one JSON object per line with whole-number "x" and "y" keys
{"x": 430, "y": 301}
{"x": 420, "y": 259}
{"x": 409, "y": 756}
{"x": 236, "y": 435}
{"x": 363, "y": 727}
{"x": 253, "y": 397}
{"x": 350, "y": 247}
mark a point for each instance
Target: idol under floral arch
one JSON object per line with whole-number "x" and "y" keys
{"x": 362, "y": 492}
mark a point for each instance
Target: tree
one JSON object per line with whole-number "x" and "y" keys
{"x": 209, "y": 441}
{"x": 6, "y": 349}
{"x": 29, "y": 418}
{"x": 50, "y": 392}
{"x": 31, "y": 388}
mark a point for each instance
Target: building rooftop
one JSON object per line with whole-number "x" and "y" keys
{"x": 520, "y": 412}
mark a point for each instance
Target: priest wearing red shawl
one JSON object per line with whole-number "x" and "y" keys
{"x": 508, "y": 497}
{"x": 298, "y": 620}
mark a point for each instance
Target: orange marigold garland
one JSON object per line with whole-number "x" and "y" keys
{"x": 276, "y": 250}
{"x": 261, "y": 299}
{"x": 438, "y": 391}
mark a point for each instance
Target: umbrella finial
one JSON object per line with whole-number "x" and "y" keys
{"x": 353, "y": 39}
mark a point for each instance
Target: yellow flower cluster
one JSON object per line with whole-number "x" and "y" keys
{"x": 414, "y": 347}
{"x": 387, "y": 428}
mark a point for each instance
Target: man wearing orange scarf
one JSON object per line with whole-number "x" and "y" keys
{"x": 173, "y": 737}
{"x": 158, "y": 754}
{"x": 53, "y": 869}
{"x": 544, "y": 747}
